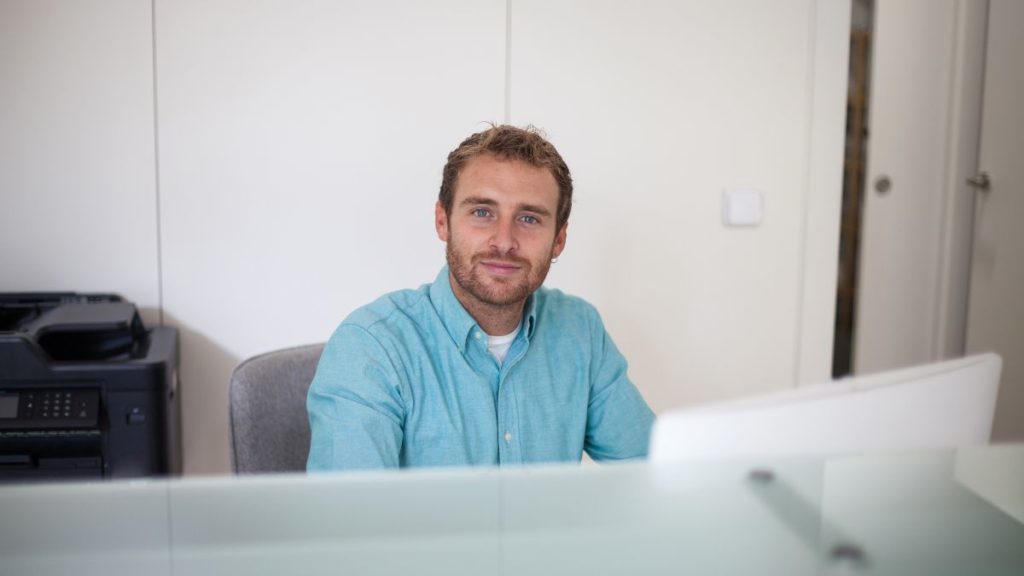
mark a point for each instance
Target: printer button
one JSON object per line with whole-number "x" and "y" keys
{"x": 136, "y": 417}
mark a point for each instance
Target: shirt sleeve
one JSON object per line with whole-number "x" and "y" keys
{"x": 618, "y": 419}
{"x": 355, "y": 406}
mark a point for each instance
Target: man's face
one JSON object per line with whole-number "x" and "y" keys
{"x": 501, "y": 233}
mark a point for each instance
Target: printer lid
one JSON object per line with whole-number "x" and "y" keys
{"x": 74, "y": 327}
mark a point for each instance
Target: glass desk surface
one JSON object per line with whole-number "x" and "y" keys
{"x": 947, "y": 512}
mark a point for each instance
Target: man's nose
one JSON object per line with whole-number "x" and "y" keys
{"x": 504, "y": 240}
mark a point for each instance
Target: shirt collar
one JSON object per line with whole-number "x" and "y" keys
{"x": 458, "y": 322}
{"x": 530, "y": 314}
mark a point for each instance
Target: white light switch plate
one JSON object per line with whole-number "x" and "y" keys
{"x": 742, "y": 207}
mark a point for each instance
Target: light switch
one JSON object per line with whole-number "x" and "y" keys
{"x": 742, "y": 207}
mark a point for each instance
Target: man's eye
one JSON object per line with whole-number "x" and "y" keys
{"x": 527, "y": 219}
{"x": 481, "y": 212}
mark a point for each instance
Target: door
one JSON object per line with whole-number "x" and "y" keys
{"x": 924, "y": 117}
{"x": 995, "y": 319}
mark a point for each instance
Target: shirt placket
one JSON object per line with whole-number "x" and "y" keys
{"x": 510, "y": 441}
{"x": 483, "y": 363}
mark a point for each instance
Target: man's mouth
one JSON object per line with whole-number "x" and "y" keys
{"x": 501, "y": 267}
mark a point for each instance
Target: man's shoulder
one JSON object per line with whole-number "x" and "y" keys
{"x": 394, "y": 307}
{"x": 553, "y": 302}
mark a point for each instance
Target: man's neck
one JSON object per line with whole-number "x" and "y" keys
{"x": 495, "y": 320}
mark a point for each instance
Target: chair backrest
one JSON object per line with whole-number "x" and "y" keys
{"x": 267, "y": 409}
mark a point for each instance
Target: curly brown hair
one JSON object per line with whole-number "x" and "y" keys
{"x": 509, "y": 143}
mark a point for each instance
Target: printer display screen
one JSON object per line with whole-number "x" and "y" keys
{"x": 8, "y": 405}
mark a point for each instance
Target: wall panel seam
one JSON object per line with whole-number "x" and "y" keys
{"x": 156, "y": 171}
{"x": 508, "y": 61}
{"x": 941, "y": 284}
{"x": 798, "y": 340}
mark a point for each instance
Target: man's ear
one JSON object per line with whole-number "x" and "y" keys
{"x": 441, "y": 222}
{"x": 559, "y": 244}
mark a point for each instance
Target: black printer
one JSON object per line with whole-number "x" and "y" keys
{"x": 86, "y": 391}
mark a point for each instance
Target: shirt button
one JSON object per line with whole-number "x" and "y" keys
{"x": 477, "y": 335}
{"x": 508, "y": 437}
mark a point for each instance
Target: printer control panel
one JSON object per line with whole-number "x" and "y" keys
{"x": 49, "y": 408}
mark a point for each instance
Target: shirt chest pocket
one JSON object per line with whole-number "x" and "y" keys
{"x": 440, "y": 433}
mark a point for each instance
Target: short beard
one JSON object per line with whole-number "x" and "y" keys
{"x": 463, "y": 272}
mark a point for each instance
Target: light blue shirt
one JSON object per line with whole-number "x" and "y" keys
{"x": 407, "y": 381}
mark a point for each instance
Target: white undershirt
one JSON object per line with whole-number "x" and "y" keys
{"x": 498, "y": 345}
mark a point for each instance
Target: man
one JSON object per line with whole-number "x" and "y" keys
{"x": 483, "y": 366}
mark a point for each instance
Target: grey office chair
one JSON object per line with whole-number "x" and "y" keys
{"x": 267, "y": 409}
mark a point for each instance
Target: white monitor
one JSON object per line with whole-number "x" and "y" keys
{"x": 942, "y": 405}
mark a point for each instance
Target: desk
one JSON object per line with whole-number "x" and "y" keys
{"x": 935, "y": 513}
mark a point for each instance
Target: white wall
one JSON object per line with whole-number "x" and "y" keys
{"x": 301, "y": 143}
{"x": 995, "y": 316}
{"x": 658, "y": 108}
{"x": 77, "y": 180}
{"x": 301, "y": 147}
